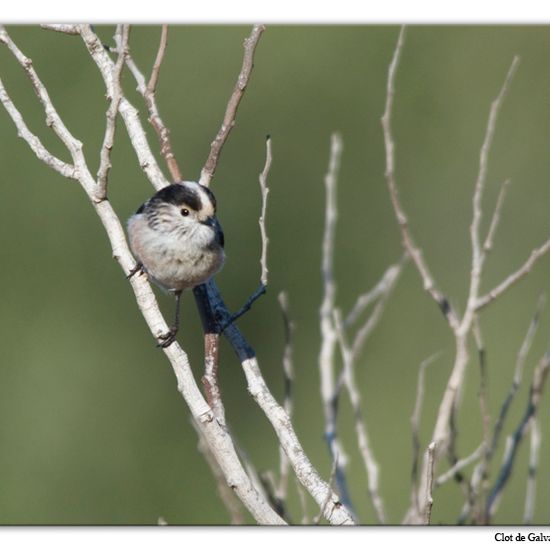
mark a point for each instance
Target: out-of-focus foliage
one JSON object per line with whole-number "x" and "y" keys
{"x": 92, "y": 427}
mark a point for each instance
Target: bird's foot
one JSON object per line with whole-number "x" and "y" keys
{"x": 137, "y": 269}
{"x": 168, "y": 338}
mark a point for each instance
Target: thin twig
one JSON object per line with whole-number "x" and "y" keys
{"x": 369, "y": 297}
{"x": 228, "y": 122}
{"x": 493, "y": 294}
{"x": 262, "y": 288}
{"x": 53, "y": 120}
{"x": 64, "y": 168}
{"x": 371, "y": 465}
{"x": 518, "y": 373}
{"x": 415, "y": 424}
{"x": 265, "y": 190}
{"x": 288, "y": 373}
{"x": 148, "y": 91}
{"x": 459, "y": 465}
{"x": 129, "y": 113}
{"x": 483, "y": 397}
{"x": 478, "y": 255}
{"x": 153, "y": 79}
{"x": 408, "y": 242}
{"x": 429, "y": 496}
{"x": 514, "y": 441}
{"x": 364, "y": 331}
{"x": 329, "y": 390}
{"x": 488, "y": 244}
{"x": 111, "y": 116}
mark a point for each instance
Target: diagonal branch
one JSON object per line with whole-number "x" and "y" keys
{"x": 228, "y": 122}
{"x": 148, "y": 91}
{"x": 512, "y": 279}
{"x": 65, "y": 169}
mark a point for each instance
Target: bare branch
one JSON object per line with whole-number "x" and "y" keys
{"x": 227, "y": 496}
{"x": 64, "y": 168}
{"x": 231, "y": 110}
{"x": 536, "y": 255}
{"x": 379, "y": 290}
{"x": 415, "y": 425}
{"x": 431, "y": 468}
{"x": 53, "y": 120}
{"x": 514, "y": 441}
{"x": 459, "y": 465}
{"x": 488, "y": 244}
{"x": 408, "y": 243}
{"x": 262, "y": 288}
{"x": 217, "y": 437}
{"x": 210, "y": 377}
{"x": 148, "y": 90}
{"x": 128, "y": 112}
{"x": 477, "y": 251}
{"x": 110, "y": 126}
{"x": 265, "y": 190}
{"x": 518, "y": 372}
{"x": 371, "y": 465}
{"x": 288, "y": 372}
{"x": 63, "y": 28}
{"x": 153, "y": 80}
{"x": 336, "y": 512}
{"x": 329, "y": 391}
{"x": 361, "y": 336}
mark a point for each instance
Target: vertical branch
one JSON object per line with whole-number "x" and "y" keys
{"x": 415, "y": 426}
{"x": 228, "y": 122}
{"x": 288, "y": 372}
{"x": 371, "y": 466}
{"x": 429, "y": 497}
{"x": 488, "y": 244}
{"x": 265, "y": 190}
{"x": 478, "y": 254}
{"x": 329, "y": 337}
{"x": 123, "y": 31}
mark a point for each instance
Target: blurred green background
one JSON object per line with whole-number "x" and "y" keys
{"x": 92, "y": 427}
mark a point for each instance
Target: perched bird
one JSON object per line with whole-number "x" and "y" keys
{"x": 177, "y": 240}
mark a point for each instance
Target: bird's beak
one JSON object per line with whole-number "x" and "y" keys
{"x": 211, "y": 221}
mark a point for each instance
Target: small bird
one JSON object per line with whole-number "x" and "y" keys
{"x": 177, "y": 240}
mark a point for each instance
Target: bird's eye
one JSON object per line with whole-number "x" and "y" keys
{"x": 184, "y": 212}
